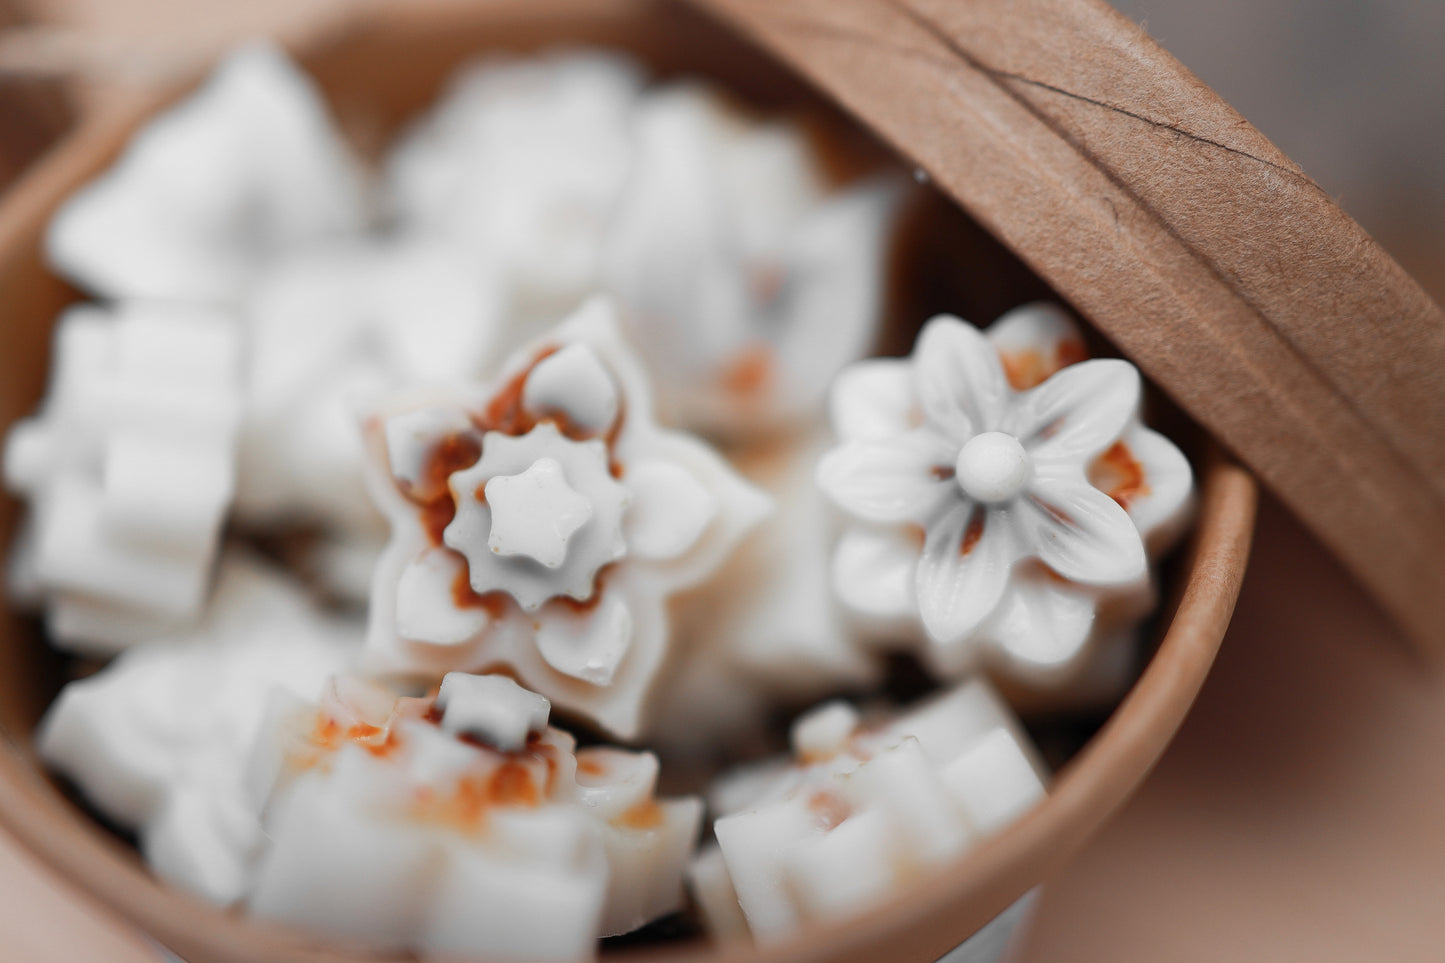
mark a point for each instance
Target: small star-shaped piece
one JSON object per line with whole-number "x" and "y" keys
{"x": 535, "y": 513}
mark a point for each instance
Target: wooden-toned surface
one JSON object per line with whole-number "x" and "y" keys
{"x": 1183, "y": 234}
{"x": 45, "y": 920}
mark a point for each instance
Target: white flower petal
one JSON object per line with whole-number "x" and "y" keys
{"x": 1078, "y": 412}
{"x": 574, "y": 382}
{"x": 1044, "y": 622}
{"x": 890, "y": 481}
{"x": 873, "y": 572}
{"x": 873, "y": 400}
{"x": 587, "y": 645}
{"x": 960, "y": 380}
{"x": 1159, "y": 503}
{"x": 426, "y": 608}
{"x": 412, "y": 438}
{"x": 963, "y": 572}
{"x": 1034, "y": 342}
{"x": 1081, "y": 533}
{"x": 669, "y": 509}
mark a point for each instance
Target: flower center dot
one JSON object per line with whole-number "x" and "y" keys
{"x": 992, "y": 467}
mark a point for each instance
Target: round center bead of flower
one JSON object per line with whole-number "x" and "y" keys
{"x": 535, "y": 513}
{"x": 992, "y": 467}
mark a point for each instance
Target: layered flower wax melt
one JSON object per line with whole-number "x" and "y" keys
{"x": 543, "y": 523}
{"x": 407, "y": 490}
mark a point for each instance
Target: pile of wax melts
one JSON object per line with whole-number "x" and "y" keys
{"x": 860, "y": 809}
{"x": 392, "y": 479}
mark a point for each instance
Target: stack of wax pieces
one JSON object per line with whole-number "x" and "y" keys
{"x": 861, "y": 810}
{"x": 462, "y": 824}
{"x": 746, "y": 278}
{"x": 158, "y": 740}
{"x": 129, "y": 468}
{"x": 1003, "y": 498}
{"x": 745, "y": 281}
{"x": 543, "y": 521}
{"x": 246, "y": 171}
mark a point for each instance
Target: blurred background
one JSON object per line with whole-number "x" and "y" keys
{"x": 1299, "y": 815}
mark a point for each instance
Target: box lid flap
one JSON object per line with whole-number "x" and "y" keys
{"x": 1185, "y": 236}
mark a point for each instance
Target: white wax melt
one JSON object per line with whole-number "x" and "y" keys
{"x": 129, "y": 468}
{"x": 529, "y": 531}
{"x": 1003, "y": 497}
{"x": 385, "y": 825}
{"x": 244, "y": 171}
{"x": 330, "y": 331}
{"x": 519, "y": 167}
{"x": 747, "y": 285}
{"x": 861, "y": 811}
{"x": 492, "y": 708}
{"x": 159, "y": 739}
{"x": 766, "y": 629}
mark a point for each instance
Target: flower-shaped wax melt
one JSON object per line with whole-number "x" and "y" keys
{"x": 461, "y": 825}
{"x": 158, "y": 741}
{"x": 520, "y": 167}
{"x": 745, "y": 282}
{"x": 542, "y": 524}
{"x": 330, "y": 331}
{"x": 129, "y": 468}
{"x": 1002, "y": 495}
{"x": 861, "y": 810}
{"x": 245, "y": 170}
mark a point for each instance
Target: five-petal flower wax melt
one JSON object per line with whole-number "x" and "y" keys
{"x": 542, "y": 523}
{"x": 1005, "y": 496}
{"x": 366, "y": 735}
